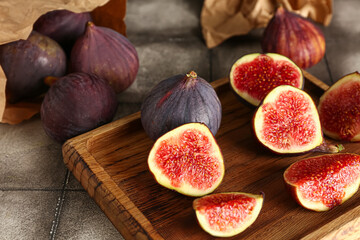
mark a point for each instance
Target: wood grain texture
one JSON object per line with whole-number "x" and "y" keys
{"x": 111, "y": 164}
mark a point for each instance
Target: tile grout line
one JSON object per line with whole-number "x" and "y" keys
{"x": 210, "y": 65}
{"x": 328, "y": 69}
{"x": 58, "y": 208}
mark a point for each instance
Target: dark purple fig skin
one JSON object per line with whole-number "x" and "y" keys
{"x": 106, "y": 53}
{"x": 180, "y": 99}
{"x": 27, "y": 62}
{"x": 77, "y": 103}
{"x": 63, "y": 26}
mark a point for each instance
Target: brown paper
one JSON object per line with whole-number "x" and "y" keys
{"x": 223, "y": 19}
{"x": 16, "y": 20}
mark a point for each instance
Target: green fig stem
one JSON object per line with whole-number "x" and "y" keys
{"x": 191, "y": 74}
{"x": 329, "y": 148}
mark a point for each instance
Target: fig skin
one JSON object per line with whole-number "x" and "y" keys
{"x": 342, "y": 170}
{"x": 339, "y": 109}
{"x": 63, "y": 26}
{"x": 195, "y": 166}
{"x": 227, "y": 204}
{"x": 177, "y": 100}
{"x": 254, "y": 75}
{"x": 106, "y": 53}
{"x": 77, "y": 103}
{"x": 27, "y": 62}
{"x": 294, "y": 36}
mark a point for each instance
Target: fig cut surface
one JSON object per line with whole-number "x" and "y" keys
{"x": 227, "y": 214}
{"x": 253, "y": 76}
{"x": 287, "y": 121}
{"x": 188, "y": 160}
{"x": 339, "y": 109}
{"x": 323, "y": 182}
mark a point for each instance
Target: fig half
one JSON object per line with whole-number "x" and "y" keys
{"x": 323, "y": 182}
{"x": 339, "y": 109}
{"x": 227, "y": 214}
{"x": 188, "y": 160}
{"x": 254, "y": 75}
{"x": 287, "y": 121}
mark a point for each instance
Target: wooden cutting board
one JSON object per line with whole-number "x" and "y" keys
{"x": 111, "y": 164}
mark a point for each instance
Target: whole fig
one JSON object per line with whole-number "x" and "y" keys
{"x": 106, "y": 53}
{"x": 295, "y": 37}
{"x": 177, "y": 100}
{"x": 27, "y": 62}
{"x": 77, "y": 103}
{"x": 63, "y": 26}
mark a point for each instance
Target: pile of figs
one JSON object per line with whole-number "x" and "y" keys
{"x": 89, "y": 65}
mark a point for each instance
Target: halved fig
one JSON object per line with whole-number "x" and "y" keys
{"x": 287, "y": 121}
{"x": 323, "y": 182}
{"x": 339, "y": 109}
{"x": 227, "y": 214}
{"x": 187, "y": 159}
{"x": 253, "y": 76}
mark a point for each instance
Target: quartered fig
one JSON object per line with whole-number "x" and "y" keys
{"x": 227, "y": 214}
{"x": 106, "y": 53}
{"x": 63, "y": 26}
{"x": 339, "y": 109}
{"x": 77, "y": 103}
{"x": 287, "y": 121}
{"x": 253, "y": 76}
{"x": 177, "y": 100}
{"x": 27, "y": 62}
{"x": 323, "y": 182}
{"x": 295, "y": 37}
{"x": 188, "y": 160}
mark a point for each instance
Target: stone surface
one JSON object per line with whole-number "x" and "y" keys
{"x": 81, "y": 218}
{"x": 27, "y": 214}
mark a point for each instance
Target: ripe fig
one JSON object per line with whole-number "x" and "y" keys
{"x": 77, "y": 103}
{"x": 188, "y": 160}
{"x": 253, "y": 76}
{"x": 323, "y": 182}
{"x": 63, "y": 26}
{"x": 106, "y": 53}
{"x": 178, "y": 100}
{"x": 227, "y": 214}
{"x": 294, "y": 37}
{"x": 339, "y": 109}
{"x": 287, "y": 121}
{"x": 27, "y": 62}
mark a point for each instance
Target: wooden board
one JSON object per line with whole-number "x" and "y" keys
{"x": 111, "y": 164}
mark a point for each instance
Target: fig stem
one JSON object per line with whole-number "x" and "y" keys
{"x": 329, "y": 148}
{"x": 50, "y": 80}
{"x": 191, "y": 74}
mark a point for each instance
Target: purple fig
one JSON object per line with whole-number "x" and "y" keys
{"x": 77, "y": 103}
{"x": 27, "y": 62}
{"x": 106, "y": 53}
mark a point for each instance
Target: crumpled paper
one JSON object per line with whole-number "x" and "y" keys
{"x": 223, "y": 19}
{"x": 16, "y": 20}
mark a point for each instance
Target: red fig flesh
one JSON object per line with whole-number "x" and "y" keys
{"x": 106, "y": 53}
{"x": 177, "y": 100}
{"x": 253, "y": 76}
{"x": 339, "y": 109}
{"x": 227, "y": 214}
{"x": 323, "y": 182}
{"x": 296, "y": 37}
{"x": 188, "y": 160}
{"x": 287, "y": 121}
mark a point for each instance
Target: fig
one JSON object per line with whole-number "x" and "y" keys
{"x": 287, "y": 121}
{"x": 63, "y": 26}
{"x": 227, "y": 214}
{"x": 27, "y": 62}
{"x": 177, "y": 100}
{"x": 106, "y": 53}
{"x": 77, "y": 103}
{"x": 295, "y": 37}
{"x": 339, "y": 109}
{"x": 323, "y": 182}
{"x": 188, "y": 160}
{"x": 253, "y": 76}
